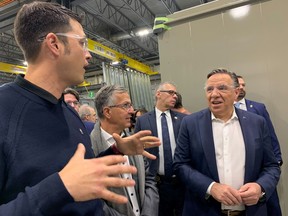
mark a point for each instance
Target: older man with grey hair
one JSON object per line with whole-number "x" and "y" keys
{"x": 114, "y": 110}
{"x": 88, "y": 115}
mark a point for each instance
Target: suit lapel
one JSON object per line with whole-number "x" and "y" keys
{"x": 152, "y": 123}
{"x": 249, "y": 144}
{"x": 154, "y": 164}
{"x": 208, "y": 142}
{"x": 176, "y": 123}
{"x": 138, "y": 162}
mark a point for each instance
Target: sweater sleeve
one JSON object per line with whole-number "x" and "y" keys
{"x": 45, "y": 197}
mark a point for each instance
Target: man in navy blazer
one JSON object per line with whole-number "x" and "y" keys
{"x": 259, "y": 109}
{"x": 171, "y": 192}
{"x": 273, "y": 205}
{"x": 224, "y": 155}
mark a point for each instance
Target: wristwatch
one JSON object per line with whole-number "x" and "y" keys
{"x": 263, "y": 196}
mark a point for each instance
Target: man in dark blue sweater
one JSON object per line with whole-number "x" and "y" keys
{"x": 47, "y": 166}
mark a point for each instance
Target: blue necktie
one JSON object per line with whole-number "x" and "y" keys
{"x": 168, "y": 161}
{"x": 237, "y": 105}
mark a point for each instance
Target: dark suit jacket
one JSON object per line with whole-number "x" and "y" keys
{"x": 145, "y": 187}
{"x": 195, "y": 161}
{"x": 148, "y": 122}
{"x": 89, "y": 126}
{"x": 260, "y": 109}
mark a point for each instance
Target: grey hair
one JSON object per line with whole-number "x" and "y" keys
{"x": 225, "y": 71}
{"x": 85, "y": 110}
{"x": 106, "y": 97}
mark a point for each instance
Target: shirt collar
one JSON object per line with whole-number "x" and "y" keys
{"x": 20, "y": 81}
{"x": 159, "y": 112}
{"x": 107, "y": 137}
{"x": 234, "y": 116}
{"x": 242, "y": 101}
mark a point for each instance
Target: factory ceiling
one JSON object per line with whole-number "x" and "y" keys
{"x": 114, "y": 23}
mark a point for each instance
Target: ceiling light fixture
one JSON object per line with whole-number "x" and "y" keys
{"x": 144, "y": 32}
{"x": 240, "y": 12}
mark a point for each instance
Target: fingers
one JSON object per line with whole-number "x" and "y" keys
{"x": 226, "y": 194}
{"x": 80, "y": 151}
{"x": 250, "y": 193}
{"x": 143, "y": 133}
{"x": 118, "y": 169}
{"x": 148, "y": 155}
{"x": 150, "y": 141}
{"x": 113, "y": 197}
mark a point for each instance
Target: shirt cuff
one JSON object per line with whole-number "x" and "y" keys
{"x": 208, "y": 192}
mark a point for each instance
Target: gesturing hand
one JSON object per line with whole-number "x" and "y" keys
{"x": 137, "y": 143}
{"x": 87, "y": 179}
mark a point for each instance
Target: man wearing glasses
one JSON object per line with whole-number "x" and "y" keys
{"x": 114, "y": 111}
{"x": 72, "y": 98}
{"x": 164, "y": 123}
{"x": 224, "y": 155}
{"x": 47, "y": 165}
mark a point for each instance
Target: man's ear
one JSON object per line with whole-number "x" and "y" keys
{"x": 237, "y": 91}
{"x": 107, "y": 112}
{"x": 52, "y": 43}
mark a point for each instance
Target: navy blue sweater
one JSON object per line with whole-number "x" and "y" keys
{"x": 38, "y": 136}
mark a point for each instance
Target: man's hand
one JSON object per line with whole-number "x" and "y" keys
{"x": 250, "y": 193}
{"x": 226, "y": 194}
{"x": 136, "y": 143}
{"x": 87, "y": 179}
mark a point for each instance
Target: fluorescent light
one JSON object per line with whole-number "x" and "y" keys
{"x": 143, "y": 32}
{"x": 115, "y": 63}
{"x": 240, "y": 12}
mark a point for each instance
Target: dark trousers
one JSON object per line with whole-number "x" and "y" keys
{"x": 171, "y": 194}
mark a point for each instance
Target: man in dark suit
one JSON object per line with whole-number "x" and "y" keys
{"x": 273, "y": 205}
{"x": 224, "y": 155}
{"x": 114, "y": 110}
{"x": 171, "y": 192}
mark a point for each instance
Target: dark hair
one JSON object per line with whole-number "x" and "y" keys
{"x": 178, "y": 103}
{"x": 105, "y": 97}
{"x": 225, "y": 71}
{"x": 73, "y": 92}
{"x": 140, "y": 110}
{"x": 36, "y": 20}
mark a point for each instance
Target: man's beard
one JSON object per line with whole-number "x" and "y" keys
{"x": 241, "y": 95}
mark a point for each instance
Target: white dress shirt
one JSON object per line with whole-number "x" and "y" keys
{"x": 171, "y": 135}
{"x": 130, "y": 190}
{"x": 230, "y": 153}
{"x": 242, "y": 104}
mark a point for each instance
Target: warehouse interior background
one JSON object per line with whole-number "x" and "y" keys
{"x": 124, "y": 27}
{"x": 203, "y": 36}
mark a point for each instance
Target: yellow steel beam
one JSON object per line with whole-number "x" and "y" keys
{"x": 16, "y": 69}
{"x": 10, "y": 68}
{"x": 109, "y": 53}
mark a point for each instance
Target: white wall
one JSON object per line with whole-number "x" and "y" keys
{"x": 255, "y": 46}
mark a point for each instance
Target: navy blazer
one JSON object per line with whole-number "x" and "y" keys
{"x": 148, "y": 122}
{"x": 195, "y": 161}
{"x": 260, "y": 109}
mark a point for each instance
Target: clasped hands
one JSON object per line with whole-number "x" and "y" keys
{"x": 248, "y": 194}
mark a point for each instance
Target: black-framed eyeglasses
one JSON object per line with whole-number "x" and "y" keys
{"x": 125, "y": 106}
{"x": 82, "y": 39}
{"x": 170, "y": 92}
